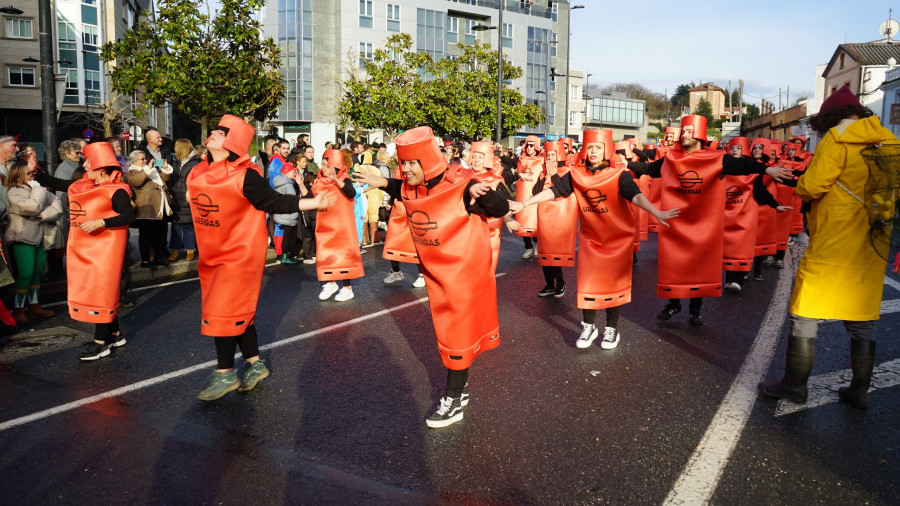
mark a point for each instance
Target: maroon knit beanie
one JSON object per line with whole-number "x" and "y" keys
{"x": 840, "y": 98}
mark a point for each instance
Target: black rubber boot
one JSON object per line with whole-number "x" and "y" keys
{"x": 800, "y": 354}
{"x": 862, "y": 361}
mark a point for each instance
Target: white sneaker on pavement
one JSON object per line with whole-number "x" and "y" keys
{"x": 733, "y": 287}
{"x": 328, "y": 289}
{"x": 588, "y": 334}
{"x": 345, "y": 294}
{"x": 419, "y": 282}
{"x": 610, "y": 338}
{"x": 529, "y": 253}
{"x": 392, "y": 277}
{"x": 310, "y": 260}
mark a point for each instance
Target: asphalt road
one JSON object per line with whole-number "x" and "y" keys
{"x": 670, "y": 416}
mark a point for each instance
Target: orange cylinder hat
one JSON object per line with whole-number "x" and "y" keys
{"x": 334, "y": 158}
{"x": 626, "y": 147}
{"x": 486, "y": 148}
{"x": 101, "y": 155}
{"x": 419, "y": 144}
{"x": 761, "y": 141}
{"x": 673, "y": 130}
{"x": 743, "y": 142}
{"x": 699, "y": 124}
{"x": 796, "y": 146}
{"x": 533, "y": 139}
{"x": 603, "y": 137}
{"x": 238, "y": 134}
{"x": 567, "y": 142}
{"x": 557, "y": 146}
{"x": 635, "y": 143}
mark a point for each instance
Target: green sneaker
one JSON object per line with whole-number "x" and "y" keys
{"x": 253, "y": 373}
{"x": 220, "y": 383}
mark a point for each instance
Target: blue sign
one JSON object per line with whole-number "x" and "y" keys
{"x": 88, "y": 133}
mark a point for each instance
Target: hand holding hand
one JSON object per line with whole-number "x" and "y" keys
{"x": 515, "y": 207}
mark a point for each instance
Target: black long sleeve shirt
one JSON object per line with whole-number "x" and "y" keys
{"x": 492, "y": 204}
{"x": 562, "y": 185}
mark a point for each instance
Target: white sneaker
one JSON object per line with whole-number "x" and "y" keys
{"x": 610, "y": 338}
{"x": 588, "y": 334}
{"x": 328, "y": 289}
{"x": 345, "y": 294}
{"x": 392, "y": 277}
{"x": 310, "y": 260}
{"x": 419, "y": 282}
{"x": 733, "y": 287}
{"x": 529, "y": 253}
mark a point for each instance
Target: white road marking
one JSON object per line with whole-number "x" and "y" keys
{"x": 700, "y": 476}
{"x": 892, "y": 283}
{"x": 823, "y": 388}
{"x": 15, "y": 422}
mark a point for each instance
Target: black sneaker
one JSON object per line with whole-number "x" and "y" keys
{"x": 448, "y": 412}
{"x": 125, "y": 301}
{"x": 668, "y": 312}
{"x": 546, "y": 291}
{"x": 115, "y": 341}
{"x": 464, "y": 398}
{"x": 696, "y": 319}
{"x": 560, "y": 290}
{"x": 93, "y": 351}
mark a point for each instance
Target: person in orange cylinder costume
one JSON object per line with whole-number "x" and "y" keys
{"x": 229, "y": 197}
{"x": 481, "y": 160}
{"x": 557, "y": 236}
{"x": 690, "y": 253}
{"x": 100, "y": 212}
{"x": 606, "y": 232}
{"x": 398, "y": 243}
{"x": 745, "y": 195}
{"x": 337, "y": 244}
{"x": 529, "y": 168}
{"x": 445, "y": 206}
{"x": 766, "y": 231}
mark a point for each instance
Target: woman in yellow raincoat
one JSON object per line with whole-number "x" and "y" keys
{"x": 840, "y": 276}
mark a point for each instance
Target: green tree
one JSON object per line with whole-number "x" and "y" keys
{"x": 704, "y": 108}
{"x": 681, "y": 98}
{"x": 402, "y": 89}
{"x": 751, "y": 111}
{"x": 206, "y": 66}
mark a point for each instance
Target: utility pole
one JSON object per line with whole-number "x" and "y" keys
{"x": 779, "y": 100}
{"x": 787, "y": 100}
{"x": 741, "y": 102}
{"x": 730, "y": 104}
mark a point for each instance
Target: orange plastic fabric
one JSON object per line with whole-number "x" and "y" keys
{"x": 767, "y": 228}
{"x": 495, "y": 225}
{"x": 690, "y": 250}
{"x": 619, "y": 161}
{"x": 94, "y": 261}
{"x": 605, "y": 239}
{"x": 337, "y": 244}
{"x": 741, "y": 220}
{"x": 231, "y": 236}
{"x": 527, "y": 217}
{"x": 398, "y": 243}
{"x": 785, "y": 196}
{"x": 654, "y": 195}
{"x": 557, "y": 229}
{"x": 455, "y": 252}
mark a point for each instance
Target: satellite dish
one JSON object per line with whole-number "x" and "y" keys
{"x": 889, "y": 28}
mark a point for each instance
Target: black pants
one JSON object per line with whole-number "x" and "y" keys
{"x": 735, "y": 277}
{"x": 226, "y": 346}
{"x": 612, "y": 316}
{"x": 289, "y": 244}
{"x": 693, "y": 306}
{"x": 152, "y": 235}
{"x": 529, "y": 242}
{"x": 306, "y": 229}
{"x": 456, "y": 381}
{"x": 103, "y": 330}
{"x": 553, "y": 274}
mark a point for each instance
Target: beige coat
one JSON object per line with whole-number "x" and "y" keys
{"x": 148, "y": 197}
{"x": 30, "y": 209}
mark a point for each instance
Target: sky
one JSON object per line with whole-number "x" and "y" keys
{"x": 768, "y": 44}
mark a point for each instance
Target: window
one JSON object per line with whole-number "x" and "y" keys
{"x": 554, "y": 12}
{"x": 452, "y": 29}
{"x": 365, "y": 54}
{"x": 573, "y": 118}
{"x": 574, "y": 94}
{"x": 470, "y": 31}
{"x": 72, "y": 88}
{"x": 90, "y": 35}
{"x": 19, "y": 28}
{"x": 91, "y": 87}
{"x": 552, "y": 114}
{"x": 393, "y": 18}
{"x": 365, "y": 13}
{"x": 553, "y": 44}
{"x": 552, "y": 85}
{"x": 430, "y": 26}
{"x": 507, "y": 35}
{"x": 68, "y": 43}
{"x": 21, "y": 76}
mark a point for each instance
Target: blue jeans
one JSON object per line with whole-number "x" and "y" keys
{"x": 182, "y": 237}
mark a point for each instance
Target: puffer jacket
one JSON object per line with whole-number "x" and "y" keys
{"x": 178, "y": 186}
{"x": 30, "y": 208}
{"x": 285, "y": 186}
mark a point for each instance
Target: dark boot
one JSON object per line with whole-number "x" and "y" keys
{"x": 800, "y": 354}
{"x": 862, "y": 361}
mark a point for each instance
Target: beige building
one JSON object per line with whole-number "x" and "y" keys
{"x": 862, "y": 67}
{"x": 712, "y": 94}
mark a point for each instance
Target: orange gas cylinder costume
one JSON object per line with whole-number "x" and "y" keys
{"x": 231, "y": 234}
{"x": 619, "y": 161}
{"x": 488, "y": 176}
{"x": 557, "y": 221}
{"x": 455, "y": 253}
{"x": 94, "y": 260}
{"x": 337, "y": 245}
{"x": 741, "y": 219}
{"x": 533, "y": 165}
{"x": 398, "y": 243}
{"x": 767, "y": 226}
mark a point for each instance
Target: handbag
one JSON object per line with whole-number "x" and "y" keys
{"x": 53, "y": 236}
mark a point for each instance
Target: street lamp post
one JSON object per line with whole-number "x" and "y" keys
{"x": 48, "y": 85}
{"x": 568, "y": 47}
